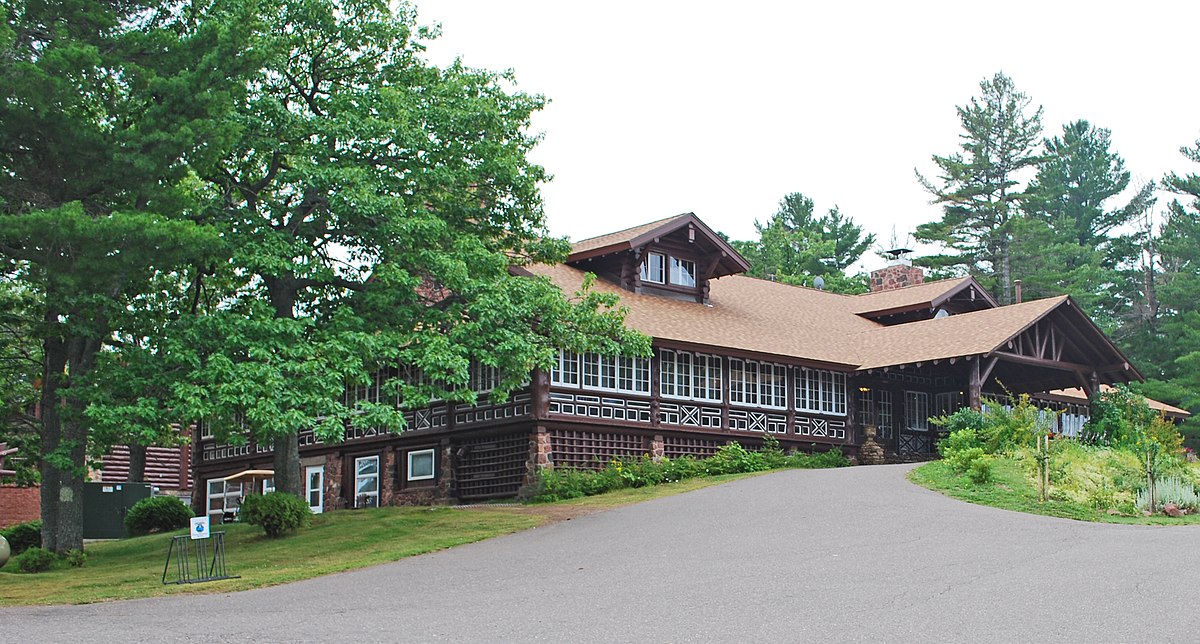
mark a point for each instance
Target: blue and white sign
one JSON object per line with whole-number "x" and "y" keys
{"x": 200, "y": 527}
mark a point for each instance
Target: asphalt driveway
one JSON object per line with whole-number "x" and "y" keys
{"x": 856, "y": 554}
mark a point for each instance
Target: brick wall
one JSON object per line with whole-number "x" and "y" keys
{"x": 19, "y": 504}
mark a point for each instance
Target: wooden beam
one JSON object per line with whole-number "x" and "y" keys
{"x": 1059, "y": 364}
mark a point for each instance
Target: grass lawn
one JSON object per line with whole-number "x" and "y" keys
{"x": 1011, "y": 489}
{"x": 337, "y": 541}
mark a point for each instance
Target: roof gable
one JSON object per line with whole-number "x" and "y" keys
{"x": 729, "y": 261}
{"x": 925, "y": 297}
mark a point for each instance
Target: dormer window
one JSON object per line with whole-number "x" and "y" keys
{"x": 654, "y": 268}
{"x": 683, "y": 272}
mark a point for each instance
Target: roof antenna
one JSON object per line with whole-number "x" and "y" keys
{"x": 819, "y": 283}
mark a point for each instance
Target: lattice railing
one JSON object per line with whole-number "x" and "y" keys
{"x": 579, "y": 449}
{"x": 600, "y": 407}
{"x": 518, "y": 406}
{"x": 915, "y": 444}
{"x": 757, "y": 421}
{"x": 686, "y": 415}
{"x": 820, "y": 428}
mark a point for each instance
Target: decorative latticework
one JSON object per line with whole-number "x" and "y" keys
{"x": 491, "y": 467}
{"x": 603, "y": 407}
{"x": 820, "y": 428}
{"x": 757, "y": 421}
{"x": 426, "y": 418}
{"x": 914, "y": 444}
{"x": 581, "y": 449}
{"x": 221, "y": 452}
{"x": 689, "y": 415}
{"x": 676, "y": 446}
{"x": 518, "y": 406}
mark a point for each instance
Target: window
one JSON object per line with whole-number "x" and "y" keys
{"x": 820, "y": 391}
{"x": 205, "y": 430}
{"x": 366, "y": 482}
{"x": 916, "y": 410}
{"x": 883, "y": 414}
{"x": 420, "y": 465}
{"x": 692, "y": 376}
{"x": 483, "y": 378}
{"x": 948, "y": 402}
{"x": 224, "y": 499}
{"x": 315, "y": 488}
{"x": 268, "y": 486}
{"x": 599, "y": 372}
{"x": 633, "y": 375}
{"x": 759, "y": 384}
{"x": 565, "y": 370}
{"x": 683, "y": 272}
{"x": 866, "y": 408}
{"x": 653, "y": 269}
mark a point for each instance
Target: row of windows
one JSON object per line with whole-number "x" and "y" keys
{"x": 697, "y": 376}
{"x": 482, "y": 379}
{"x": 665, "y": 269}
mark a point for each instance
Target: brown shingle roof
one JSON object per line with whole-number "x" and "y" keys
{"x": 770, "y": 318}
{"x": 966, "y": 334}
{"x": 621, "y": 236}
{"x": 926, "y": 294}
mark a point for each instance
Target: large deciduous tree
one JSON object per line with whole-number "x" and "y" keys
{"x": 980, "y": 187}
{"x": 379, "y": 209}
{"x": 105, "y": 104}
{"x": 797, "y": 245}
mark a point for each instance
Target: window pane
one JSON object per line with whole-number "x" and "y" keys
{"x": 420, "y": 465}
{"x": 367, "y": 466}
{"x": 367, "y": 485}
{"x": 683, "y": 272}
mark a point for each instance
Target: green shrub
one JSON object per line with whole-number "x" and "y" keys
{"x": 76, "y": 557}
{"x": 157, "y": 514}
{"x": 732, "y": 458}
{"x": 277, "y": 512}
{"x": 832, "y": 457}
{"x": 965, "y": 418}
{"x": 772, "y": 454}
{"x": 980, "y": 470}
{"x": 959, "y": 440}
{"x": 684, "y": 467}
{"x": 35, "y": 559}
{"x": 23, "y": 536}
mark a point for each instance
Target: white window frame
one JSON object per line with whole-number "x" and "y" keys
{"x": 633, "y": 375}
{"x": 268, "y": 486}
{"x": 483, "y": 378}
{"x": 320, "y": 489}
{"x": 883, "y": 413}
{"x": 358, "y": 476}
{"x": 916, "y": 410}
{"x": 820, "y": 391}
{"x": 685, "y": 375}
{"x": 681, "y": 269}
{"x": 565, "y": 371}
{"x": 228, "y": 491}
{"x": 432, "y": 453}
{"x": 648, "y": 274}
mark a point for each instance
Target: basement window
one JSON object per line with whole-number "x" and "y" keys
{"x": 420, "y": 465}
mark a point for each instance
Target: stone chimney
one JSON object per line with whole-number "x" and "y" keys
{"x": 898, "y": 273}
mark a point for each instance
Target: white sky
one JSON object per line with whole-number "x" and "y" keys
{"x": 660, "y": 108}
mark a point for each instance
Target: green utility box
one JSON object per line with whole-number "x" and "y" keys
{"x": 105, "y": 505}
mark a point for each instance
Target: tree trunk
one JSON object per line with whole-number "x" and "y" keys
{"x": 287, "y": 465}
{"x": 53, "y": 371}
{"x": 282, "y": 293}
{"x": 137, "y": 463}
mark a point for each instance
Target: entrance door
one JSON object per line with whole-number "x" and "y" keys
{"x": 315, "y": 476}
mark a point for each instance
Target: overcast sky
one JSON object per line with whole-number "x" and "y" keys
{"x": 660, "y": 108}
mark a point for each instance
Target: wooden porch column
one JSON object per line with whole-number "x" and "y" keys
{"x": 975, "y": 387}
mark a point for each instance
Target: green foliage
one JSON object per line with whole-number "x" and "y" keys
{"x": 980, "y": 470}
{"x": 979, "y": 187}
{"x": 1122, "y": 418}
{"x": 556, "y": 484}
{"x": 162, "y": 513}
{"x": 959, "y": 440}
{"x": 23, "y": 536}
{"x": 1181, "y": 492}
{"x": 797, "y": 245}
{"x": 36, "y": 559}
{"x": 277, "y": 512}
{"x": 76, "y": 557}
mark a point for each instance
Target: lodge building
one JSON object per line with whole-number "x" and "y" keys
{"x": 734, "y": 358}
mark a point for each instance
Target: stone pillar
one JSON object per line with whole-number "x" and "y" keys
{"x": 447, "y": 481}
{"x": 333, "y": 482}
{"x": 387, "y": 481}
{"x": 657, "y": 448}
{"x": 540, "y": 452}
{"x": 870, "y": 453}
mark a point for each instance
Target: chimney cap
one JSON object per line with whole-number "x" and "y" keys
{"x": 897, "y": 253}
